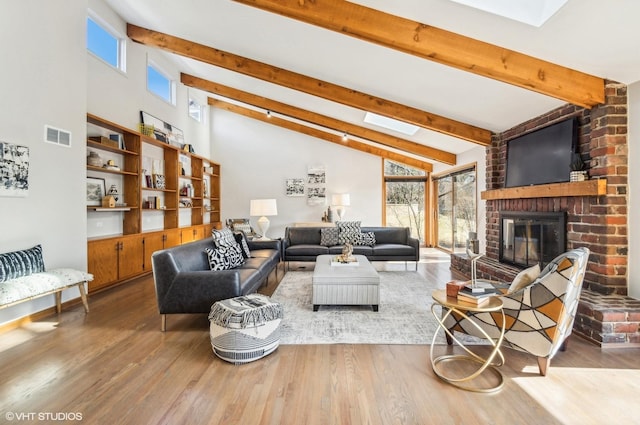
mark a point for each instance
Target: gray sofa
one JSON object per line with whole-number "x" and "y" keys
{"x": 392, "y": 244}
{"x": 185, "y": 284}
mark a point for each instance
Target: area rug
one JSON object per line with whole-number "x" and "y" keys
{"x": 404, "y": 315}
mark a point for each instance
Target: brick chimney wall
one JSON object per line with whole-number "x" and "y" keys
{"x": 605, "y": 314}
{"x": 596, "y": 222}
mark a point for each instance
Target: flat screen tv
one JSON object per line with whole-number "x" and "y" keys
{"x": 542, "y": 156}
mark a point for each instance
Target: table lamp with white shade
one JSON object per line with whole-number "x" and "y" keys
{"x": 263, "y": 208}
{"x": 340, "y": 201}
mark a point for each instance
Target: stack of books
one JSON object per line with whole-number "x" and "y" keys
{"x": 476, "y": 296}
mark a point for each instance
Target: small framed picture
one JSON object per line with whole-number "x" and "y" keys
{"x": 294, "y": 187}
{"x": 96, "y": 190}
{"x": 158, "y": 181}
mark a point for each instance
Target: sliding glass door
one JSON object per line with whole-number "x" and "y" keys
{"x": 405, "y": 198}
{"x": 456, "y": 209}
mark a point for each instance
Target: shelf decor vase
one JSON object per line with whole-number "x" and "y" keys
{"x": 578, "y": 176}
{"x": 94, "y": 159}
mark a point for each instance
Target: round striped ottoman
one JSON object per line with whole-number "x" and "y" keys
{"x": 246, "y": 328}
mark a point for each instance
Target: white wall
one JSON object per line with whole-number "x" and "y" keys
{"x": 43, "y": 81}
{"x": 257, "y": 157}
{"x": 48, "y": 77}
{"x": 119, "y": 97}
{"x": 633, "y": 143}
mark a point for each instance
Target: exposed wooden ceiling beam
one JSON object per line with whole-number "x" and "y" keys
{"x": 308, "y": 85}
{"x": 320, "y": 134}
{"x": 320, "y": 120}
{"x": 444, "y": 47}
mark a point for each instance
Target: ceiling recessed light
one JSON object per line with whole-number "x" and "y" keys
{"x": 531, "y": 12}
{"x": 390, "y": 123}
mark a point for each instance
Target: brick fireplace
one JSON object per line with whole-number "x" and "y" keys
{"x": 599, "y": 222}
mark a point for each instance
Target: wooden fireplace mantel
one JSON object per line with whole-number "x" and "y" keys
{"x": 595, "y": 187}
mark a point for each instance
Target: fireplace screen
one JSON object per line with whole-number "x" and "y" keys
{"x": 528, "y": 238}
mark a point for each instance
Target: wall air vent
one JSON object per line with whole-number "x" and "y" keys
{"x": 57, "y": 136}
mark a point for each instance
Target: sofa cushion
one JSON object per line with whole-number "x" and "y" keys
{"x": 303, "y": 235}
{"x": 389, "y": 235}
{"x": 21, "y": 263}
{"x": 348, "y": 232}
{"x": 32, "y": 285}
{"x": 307, "y": 250}
{"x": 362, "y": 250}
{"x": 329, "y": 236}
{"x": 225, "y": 257}
{"x": 393, "y": 250}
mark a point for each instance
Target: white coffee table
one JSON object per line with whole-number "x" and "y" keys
{"x": 345, "y": 284}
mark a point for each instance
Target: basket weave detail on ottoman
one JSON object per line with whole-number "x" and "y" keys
{"x": 246, "y": 328}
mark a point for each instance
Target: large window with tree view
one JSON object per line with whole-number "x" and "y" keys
{"x": 456, "y": 206}
{"x": 405, "y": 189}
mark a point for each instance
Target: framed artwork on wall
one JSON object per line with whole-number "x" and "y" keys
{"x": 162, "y": 131}
{"x": 316, "y": 181}
{"x": 96, "y": 190}
{"x": 294, "y": 187}
{"x": 14, "y": 170}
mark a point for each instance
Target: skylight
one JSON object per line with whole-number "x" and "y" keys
{"x": 531, "y": 12}
{"x": 390, "y": 123}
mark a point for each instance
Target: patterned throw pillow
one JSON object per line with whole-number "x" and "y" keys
{"x": 348, "y": 231}
{"x": 225, "y": 257}
{"x": 367, "y": 238}
{"x": 223, "y": 237}
{"x": 329, "y": 236}
{"x": 21, "y": 263}
{"x": 241, "y": 239}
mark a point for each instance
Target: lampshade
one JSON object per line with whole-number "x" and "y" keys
{"x": 263, "y": 207}
{"x": 340, "y": 199}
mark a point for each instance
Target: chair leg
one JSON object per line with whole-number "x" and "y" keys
{"x": 563, "y": 347}
{"x": 163, "y": 322}
{"x": 448, "y": 337}
{"x": 543, "y": 365}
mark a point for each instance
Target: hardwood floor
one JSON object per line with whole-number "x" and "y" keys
{"x": 115, "y": 366}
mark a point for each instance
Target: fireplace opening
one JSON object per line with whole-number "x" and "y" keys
{"x": 529, "y": 238}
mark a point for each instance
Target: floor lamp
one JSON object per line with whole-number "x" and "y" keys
{"x": 263, "y": 208}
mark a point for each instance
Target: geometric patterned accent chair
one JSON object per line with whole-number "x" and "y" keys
{"x": 540, "y": 316}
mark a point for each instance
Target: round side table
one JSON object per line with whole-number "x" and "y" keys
{"x": 452, "y": 305}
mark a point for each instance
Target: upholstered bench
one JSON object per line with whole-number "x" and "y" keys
{"x": 23, "y": 277}
{"x": 245, "y": 328}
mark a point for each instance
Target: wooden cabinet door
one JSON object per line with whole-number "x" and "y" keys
{"x": 171, "y": 238}
{"x": 199, "y": 232}
{"x": 102, "y": 259}
{"x": 186, "y": 235}
{"x": 130, "y": 256}
{"x": 152, "y": 242}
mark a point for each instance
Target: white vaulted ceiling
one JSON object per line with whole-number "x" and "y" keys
{"x": 591, "y": 36}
